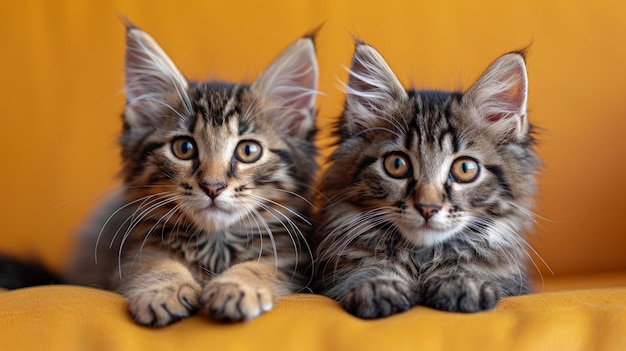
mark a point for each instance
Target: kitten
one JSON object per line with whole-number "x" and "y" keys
{"x": 428, "y": 193}
{"x": 215, "y": 207}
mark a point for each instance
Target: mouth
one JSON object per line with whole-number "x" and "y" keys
{"x": 433, "y": 227}
{"x": 427, "y": 226}
{"x": 213, "y": 208}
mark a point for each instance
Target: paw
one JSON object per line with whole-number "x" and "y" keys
{"x": 165, "y": 303}
{"x": 232, "y": 301}
{"x": 379, "y": 297}
{"x": 460, "y": 293}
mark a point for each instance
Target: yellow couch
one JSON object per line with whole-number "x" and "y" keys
{"x": 61, "y": 97}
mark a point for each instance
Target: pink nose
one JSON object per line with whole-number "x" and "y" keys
{"x": 427, "y": 210}
{"x": 212, "y": 189}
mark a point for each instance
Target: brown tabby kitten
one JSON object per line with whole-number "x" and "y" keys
{"x": 215, "y": 207}
{"x": 428, "y": 193}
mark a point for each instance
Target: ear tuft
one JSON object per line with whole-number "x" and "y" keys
{"x": 291, "y": 83}
{"x": 499, "y": 97}
{"x": 153, "y": 83}
{"x": 372, "y": 87}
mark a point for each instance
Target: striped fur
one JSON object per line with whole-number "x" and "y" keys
{"x": 428, "y": 193}
{"x": 215, "y": 208}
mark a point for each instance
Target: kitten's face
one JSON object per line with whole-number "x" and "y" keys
{"x": 434, "y": 177}
{"x": 216, "y": 153}
{"x": 216, "y": 172}
{"x": 432, "y": 164}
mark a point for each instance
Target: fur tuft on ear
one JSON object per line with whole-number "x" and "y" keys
{"x": 153, "y": 83}
{"x": 498, "y": 98}
{"x": 291, "y": 82}
{"x": 372, "y": 88}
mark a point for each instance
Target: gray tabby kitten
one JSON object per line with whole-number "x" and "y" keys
{"x": 215, "y": 207}
{"x": 428, "y": 193}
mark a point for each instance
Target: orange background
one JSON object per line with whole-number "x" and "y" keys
{"x": 62, "y": 79}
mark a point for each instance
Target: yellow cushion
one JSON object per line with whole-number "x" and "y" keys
{"x": 62, "y": 95}
{"x": 76, "y": 318}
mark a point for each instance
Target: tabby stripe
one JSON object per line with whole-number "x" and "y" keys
{"x": 220, "y": 259}
{"x": 400, "y": 204}
{"x": 365, "y": 163}
{"x": 442, "y": 137}
{"x": 233, "y": 106}
{"x": 244, "y": 127}
{"x": 284, "y": 155}
{"x": 286, "y": 158}
{"x": 232, "y": 170}
{"x": 194, "y": 121}
{"x": 416, "y": 128}
{"x": 143, "y": 156}
{"x": 456, "y": 143}
{"x": 499, "y": 173}
{"x": 448, "y": 188}
{"x": 410, "y": 136}
{"x": 410, "y": 188}
{"x": 156, "y": 177}
{"x": 195, "y": 166}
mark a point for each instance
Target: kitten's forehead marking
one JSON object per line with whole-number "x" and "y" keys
{"x": 432, "y": 155}
{"x": 218, "y": 139}
{"x": 232, "y": 106}
{"x": 216, "y": 102}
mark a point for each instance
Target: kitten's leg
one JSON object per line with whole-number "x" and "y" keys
{"x": 467, "y": 292}
{"x": 244, "y": 291}
{"x": 373, "y": 293}
{"x": 159, "y": 289}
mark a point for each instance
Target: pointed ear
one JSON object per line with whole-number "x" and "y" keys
{"x": 290, "y": 84}
{"x": 498, "y": 98}
{"x": 153, "y": 83}
{"x": 372, "y": 88}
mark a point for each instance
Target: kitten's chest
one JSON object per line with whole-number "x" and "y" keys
{"x": 210, "y": 252}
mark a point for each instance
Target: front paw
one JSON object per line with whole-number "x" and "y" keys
{"x": 164, "y": 303}
{"x": 232, "y": 301}
{"x": 379, "y": 297}
{"x": 460, "y": 293}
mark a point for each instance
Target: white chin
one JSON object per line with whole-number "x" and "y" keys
{"x": 215, "y": 220}
{"x": 428, "y": 236}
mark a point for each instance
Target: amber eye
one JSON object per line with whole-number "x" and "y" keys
{"x": 464, "y": 170}
{"x": 184, "y": 148}
{"x": 248, "y": 151}
{"x": 397, "y": 165}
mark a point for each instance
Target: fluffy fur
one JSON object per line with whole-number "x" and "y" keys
{"x": 428, "y": 193}
{"x": 215, "y": 207}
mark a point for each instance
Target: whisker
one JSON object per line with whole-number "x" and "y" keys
{"x": 296, "y": 243}
{"x": 283, "y": 207}
{"x": 106, "y": 223}
{"x": 135, "y": 219}
{"x": 296, "y": 195}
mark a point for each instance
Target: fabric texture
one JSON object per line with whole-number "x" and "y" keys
{"x": 76, "y": 318}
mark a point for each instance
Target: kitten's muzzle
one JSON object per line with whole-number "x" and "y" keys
{"x": 212, "y": 189}
{"x": 427, "y": 210}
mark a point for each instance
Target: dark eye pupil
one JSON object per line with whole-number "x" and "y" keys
{"x": 398, "y": 163}
{"x": 467, "y": 167}
{"x": 249, "y": 149}
{"x": 186, "y": 147}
